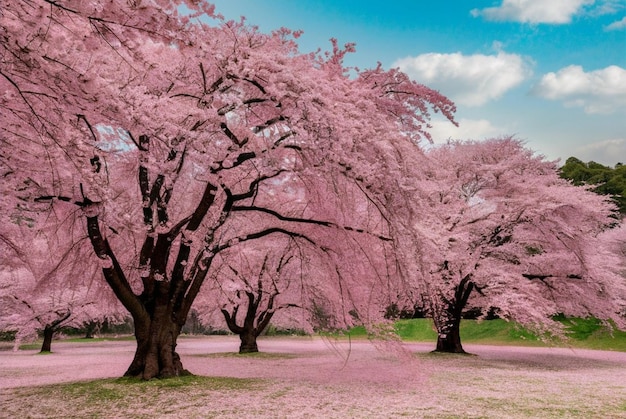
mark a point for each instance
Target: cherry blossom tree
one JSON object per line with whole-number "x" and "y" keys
{"x": 28, "y": 311}
{"x": 43, "y": 289}
{"x": 301, "y": 283}
{"x": 504, "y": 231}
{"x": 167, "y": 134}
{"x": 254, "y": 284}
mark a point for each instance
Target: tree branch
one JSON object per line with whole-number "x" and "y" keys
{"x": 231, "y": 321}
{"x": 113, "y": 274}
{"x": 281, "y": 217}
{"x": 208, "y": 198}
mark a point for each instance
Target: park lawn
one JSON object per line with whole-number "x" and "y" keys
{"x": 587, "y": 333}
{"x": 582, "y": 333}
{"x": 37, "y": 344}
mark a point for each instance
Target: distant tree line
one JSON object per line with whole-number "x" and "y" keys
{"x": 608, "y": 180}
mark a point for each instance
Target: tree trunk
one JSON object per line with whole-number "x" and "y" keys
{"x": 449, "y": 338}
{"x": 48, "y": 333}
{"x": 156, "y": 335}
{"x": 248, "y": 341}
{"x": 156, "y": 356}
{"x": 247, "y": 332}
{"x": 90, "y": 329}
{"x": 160, "y": 311}
{"x": 50, "y": 329}
{"x": 448, "y": 322}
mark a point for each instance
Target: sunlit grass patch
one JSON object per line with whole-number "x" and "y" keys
{"x": 30, "y": 346}
{"x": 593, "y": 334}
{"x": 128, "y": 397}
{"x": 119, "y": 388}
{"x": 416, "y": 330}
{"x": 37, "y": 344}
{"x": 582, "y": 333}
{"x": 253, "y": 355}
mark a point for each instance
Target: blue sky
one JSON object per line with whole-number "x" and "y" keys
{"x": 551, "y": 72}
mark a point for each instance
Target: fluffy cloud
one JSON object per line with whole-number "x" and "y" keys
{"x": 533, "y": 11}
{"x": 616, "y": 26}
{"x": 606, "y": 152}
{"x": 599, "y": 91}
{"x": 470, "y": 80}
{"x": 474, "y": 129}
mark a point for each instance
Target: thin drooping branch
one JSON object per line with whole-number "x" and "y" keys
{"x": 63, "y": 316}
{"x": 285, "y": 218}
{"x": 253, "y": 188}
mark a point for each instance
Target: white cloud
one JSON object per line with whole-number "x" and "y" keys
{"x": 605, "y": 152}
{"x": 534, "y": 11}
{"x": 616, "y": 26}
{"x": 470, "y": 80}
{"x": 599, "y": 91}
{"x": 607, "y": 7}
{"x": 468, "y": 129}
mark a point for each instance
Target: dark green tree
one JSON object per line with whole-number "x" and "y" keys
{"x": 607, "y": 180}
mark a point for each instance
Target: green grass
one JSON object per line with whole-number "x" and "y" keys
{"x": 37, "y": 344}
{"x": 472, "y": 331}
{"x": 582, "y": 333}
{"x": 496, "y": 332}
{"x": 416, "y": 330}
{"x": 591, "y": 333}
{"x": 588, "y": 333}
{"x": 125, "y": 387}
{"x": 258, "y": 355}
{"x": 128, "y": 397}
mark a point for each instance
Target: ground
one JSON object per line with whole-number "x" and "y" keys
{"x": 318, "y": 378}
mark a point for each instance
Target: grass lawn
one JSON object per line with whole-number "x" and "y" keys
{"x": 582, "y": 333}
{"x": 37, "y": 344}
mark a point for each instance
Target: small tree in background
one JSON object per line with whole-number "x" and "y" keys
{"x": 254, "y": 291}
{"x": 299, "y": 283}
{"x": 36, "y": 294}
{"x": 30, "y": 314}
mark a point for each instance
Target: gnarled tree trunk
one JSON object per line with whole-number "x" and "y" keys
{"x": 448, "y": 321}
{"x": 48, "y": 333}
{"x": 449, "y": 337}
{"x": 159, "y": 313}
{"x": 252, "y": 325}
{"x": 156, "y": 332}
{"x": 155, "y": 356}
{"x": 51, "y": 328}
{"x": 248, "y": 342}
